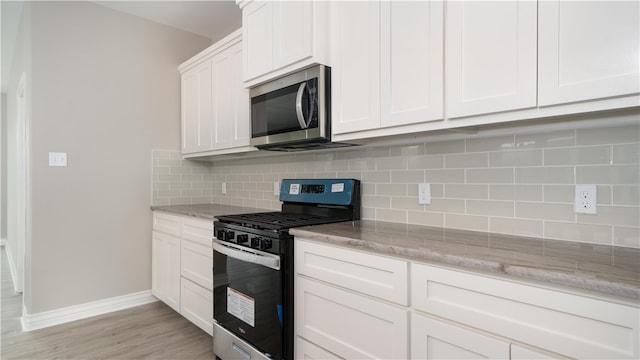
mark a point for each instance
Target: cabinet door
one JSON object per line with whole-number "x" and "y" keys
{"x": 197, "y": 120}
{"x": 230, "y": 100}
{"x": 411, "y": 62}
{"x": 197, "y": 305}
{"x": 292, "y": 32}
{"x": 588, "y": 50}
{"x": 519, "y": 352}
{"x": 165, "y": 269}
{"x": 257, "y": 26}
{"x": 490, "y": 56}
{"x": 434, "y": 339}
{"x": 307, "y": 350}
{"x": 355, "y": 88}
{"x": 197, "y": 263}
{"x": 349, "y": 325}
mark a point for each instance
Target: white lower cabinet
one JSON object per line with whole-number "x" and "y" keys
{"x": 560, "y": 322}
{"x": 165, "y": 268}
{"x": 436, "y": 339}
{"x": 342, "y": 312}
{"x": 182, "y": 265}
{"x": 196, "y": 304}
{"x": 340, "y": 308}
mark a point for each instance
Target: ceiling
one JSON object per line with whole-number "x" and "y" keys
{"x": 213, "y": 19}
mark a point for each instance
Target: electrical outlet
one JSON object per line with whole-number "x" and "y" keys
{"x": 276, "y": 188}
{"x": 585, "y": 199}
{"x": 424, "y": 193}
{"x": 57, "y": 159}
{"x": 224, "y": 188}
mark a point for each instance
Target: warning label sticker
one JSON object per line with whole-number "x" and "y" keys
{"x": 241, "y": 306}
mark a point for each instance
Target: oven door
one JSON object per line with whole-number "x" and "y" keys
{"x": 248, "y": 296}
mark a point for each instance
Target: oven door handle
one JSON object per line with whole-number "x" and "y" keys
{"x": 247, "y": 254}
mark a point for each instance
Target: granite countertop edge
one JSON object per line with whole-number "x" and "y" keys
{"x": 576, "y": 280}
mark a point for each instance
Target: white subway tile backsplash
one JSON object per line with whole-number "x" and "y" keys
{"x": 546, "y": 140}
{"x": 469, "y": 160}
{"x": 490, "y": 176}
{"x": 513, "y": 226}
{"x": 514, "y": 184}
{"x": 624, "y": 236}
{"x": 626, "y": 154}
{"x": 501, "y": 143}
{"x": 626, "y": 195}
{"x": 612, "y": 174}
{"x": 517, "y": 158}
{"x": 466, "y": 222}
{"x": 578, "y": 156}
{"x": 490, "y": 208}
{"x": 598, "y": 234}
{"x": 545, "y": 175}
{"x": 466, "y": 191}
{"x": 544, "y": 211}
{"x": 609, "y": 135}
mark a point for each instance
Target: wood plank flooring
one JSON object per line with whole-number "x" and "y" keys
{"x": 152, "y": 331}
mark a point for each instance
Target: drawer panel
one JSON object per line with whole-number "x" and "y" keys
{"x": 569, "y": 324}
{"x": 168, "y": 224}
{"x": 370, "y": 274}
{"x": 197, "y": 263}
{"x": 198, "y": 230}
{"x": 196, "y": 304}
{"x": 349, "y": 325}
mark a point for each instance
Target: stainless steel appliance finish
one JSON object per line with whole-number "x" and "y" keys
{"x": 253, "y": 273}
{"x": 293, "y": 113}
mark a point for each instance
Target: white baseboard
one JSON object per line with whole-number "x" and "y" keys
{"x": 64, "y": 315}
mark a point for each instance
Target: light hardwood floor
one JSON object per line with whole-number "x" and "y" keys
{"x": 152, "y": 331}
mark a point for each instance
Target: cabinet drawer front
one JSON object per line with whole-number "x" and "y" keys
{"x": 373, "y": 275}
{"x": 569, "y": 324}
{"x": 434, "y": 339}
{"x": 200, "y": 231}
{"x": 196, "y": 304}
{"x": 197, "y": 263}
{"x": 349, "y": 325}
{"x": 168, "y": 224}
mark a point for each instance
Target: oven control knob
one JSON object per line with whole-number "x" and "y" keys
{"x": 243, "y": 238}
{"x": 255, "y": 242}
{"x": 265, "y": 244}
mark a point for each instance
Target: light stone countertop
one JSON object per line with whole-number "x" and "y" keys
{"x": 604, "y": 269}
{"x": 205, "y": 211}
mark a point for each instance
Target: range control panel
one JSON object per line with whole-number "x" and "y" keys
{"x": 319, "y": 191}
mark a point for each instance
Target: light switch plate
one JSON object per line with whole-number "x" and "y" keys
{"x": 57, "y": 159}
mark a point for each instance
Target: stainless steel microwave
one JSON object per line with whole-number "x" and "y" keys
{"x": 293, "y": 113}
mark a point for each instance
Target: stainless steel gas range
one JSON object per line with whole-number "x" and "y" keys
{"x": 253, "y": 267}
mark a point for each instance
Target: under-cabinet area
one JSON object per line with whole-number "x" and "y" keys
{"x": 357, "y": 304}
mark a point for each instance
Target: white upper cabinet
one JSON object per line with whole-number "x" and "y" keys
{"x": 197, "y": 121}
{"x": 282, "y": 36}
{"x": 588, "y": 50}
{"x": 215, "y": 104}
{"x": 230, "y": 100}
{"x": 411, "y": 62}
{"x": 490, "y": 56}
{"x": 387, "y": 58}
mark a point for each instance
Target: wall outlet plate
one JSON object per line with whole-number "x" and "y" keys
{"x": 57, "y": 159}
{"x": 424, "y": 193}
{"x": 224, "y": 188}
{"x": 586, "y": 199}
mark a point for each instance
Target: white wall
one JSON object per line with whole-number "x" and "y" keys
{"x": 105, "y": 89}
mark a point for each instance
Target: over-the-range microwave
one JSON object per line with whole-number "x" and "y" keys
{"x": 293, "y": 113}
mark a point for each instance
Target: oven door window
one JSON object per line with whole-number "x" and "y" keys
{"x": 248, "y": 302}
{"x": 292, "y": 108}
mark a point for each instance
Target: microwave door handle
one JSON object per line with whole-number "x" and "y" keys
{"x": 301, "y": 119}
{"x": 247, "y": 255}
